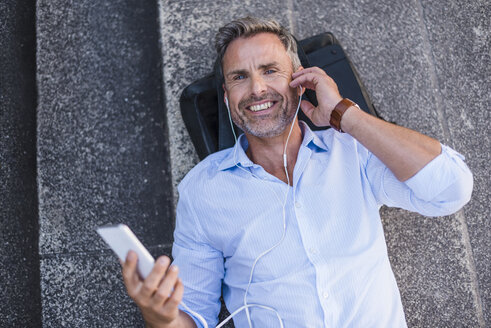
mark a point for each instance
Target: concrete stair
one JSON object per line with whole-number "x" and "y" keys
{"x": 91, "y": 133}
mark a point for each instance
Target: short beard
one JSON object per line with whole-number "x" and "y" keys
{"x": 275, "y": 125}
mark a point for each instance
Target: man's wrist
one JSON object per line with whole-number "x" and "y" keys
{"x": 174, "y": 324}
{"x": 351, "y": 118}
{"x": 338, "y": 112}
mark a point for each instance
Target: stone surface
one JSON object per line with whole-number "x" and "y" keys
{"x": 19, "y": 279}
{"x": 460, "y": 37}
{"x": 429, "y": 261}
{"x": 102, "y": 153}
{"x": 102, "y": 149}
{"x": 87, "y": 290}
{"x": 19, "y": 260}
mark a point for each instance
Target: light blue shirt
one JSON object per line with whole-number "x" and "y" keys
{"x": 332, "y": 268}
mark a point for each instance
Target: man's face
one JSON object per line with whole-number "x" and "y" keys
{"x": 257, "y": 71}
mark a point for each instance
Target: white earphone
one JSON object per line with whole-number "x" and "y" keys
{"x": 246, "y": 305}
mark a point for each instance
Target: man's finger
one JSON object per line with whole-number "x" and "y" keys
{"x": 130, "y": 275}
{"x": 313, "y": 69}
{"x": 171, "y": 305}
{"x": 153, "y": 280}
{"x": 307, "y": 108}
{"x": 176, "y": 296}
{"x": 167, "y": 285}
{"x": 309, "y": 80}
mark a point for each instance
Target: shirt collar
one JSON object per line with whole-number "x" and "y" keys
{"x": 237, "y": 154}
{"x": 310, "y": 139}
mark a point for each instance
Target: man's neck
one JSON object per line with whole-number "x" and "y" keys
{"x": 268, "y": 152}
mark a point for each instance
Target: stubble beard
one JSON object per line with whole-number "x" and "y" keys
{"x": 266, "y": 126}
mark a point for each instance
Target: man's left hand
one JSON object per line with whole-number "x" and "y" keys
{"x": 326, "y": 91}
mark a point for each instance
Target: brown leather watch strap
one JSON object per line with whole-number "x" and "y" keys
{"x": 338, "y": 112}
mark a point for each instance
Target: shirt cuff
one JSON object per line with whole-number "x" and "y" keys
{"x": 439, "y": 174}
{"x": 198, "y": 323}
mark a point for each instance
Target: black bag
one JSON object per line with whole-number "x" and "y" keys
{"x": 206, "y": 117}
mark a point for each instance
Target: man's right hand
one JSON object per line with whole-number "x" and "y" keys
{"x": 159, "y": 295}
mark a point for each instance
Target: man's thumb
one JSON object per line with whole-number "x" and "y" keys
{"x": 307, "y": 108}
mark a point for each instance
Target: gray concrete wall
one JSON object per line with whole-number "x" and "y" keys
{"x": 102, "y": 153}
{"x": 111, "y": 144}
{"x": 19, "y": 229}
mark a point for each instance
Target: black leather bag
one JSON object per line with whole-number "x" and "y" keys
{"x": 205, "y": 115}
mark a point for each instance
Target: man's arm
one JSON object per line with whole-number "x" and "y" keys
{"x": 402, "y": 150}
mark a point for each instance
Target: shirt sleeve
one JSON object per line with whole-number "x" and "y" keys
{"x": 440, "y": 188}
{"x": 200, "y": 265}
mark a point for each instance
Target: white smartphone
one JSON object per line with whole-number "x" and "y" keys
{"x": 121, "y": 240}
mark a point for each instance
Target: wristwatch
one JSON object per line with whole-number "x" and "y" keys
{"x": 338, "y": 112}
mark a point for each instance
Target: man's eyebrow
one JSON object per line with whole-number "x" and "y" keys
{"x": 262, "y": 67}
{"x": 269, "y": 65}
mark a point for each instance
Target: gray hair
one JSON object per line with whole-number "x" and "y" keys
{"x": 250, "y": 26}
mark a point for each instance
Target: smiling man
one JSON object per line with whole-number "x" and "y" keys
{"x": 265, "y": 110}
{"x": 285, "y": 224}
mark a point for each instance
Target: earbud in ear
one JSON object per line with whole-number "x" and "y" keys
{"x": 226, "y": 101}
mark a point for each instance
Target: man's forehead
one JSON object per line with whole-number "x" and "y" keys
{"x": 259, "y": 49}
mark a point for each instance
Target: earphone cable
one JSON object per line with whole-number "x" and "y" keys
{"x": 285, "y": 165}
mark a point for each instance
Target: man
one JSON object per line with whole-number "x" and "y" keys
{"x": 293, "y": 227}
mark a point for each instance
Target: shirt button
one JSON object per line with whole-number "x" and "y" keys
{"x": 313, "y": 251}
{"x": 298, "y": 205}
{"x": 325, "y": 294}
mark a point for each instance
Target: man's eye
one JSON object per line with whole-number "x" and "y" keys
{"x": 269, "y": 71}
{"x": 239, "y": 77}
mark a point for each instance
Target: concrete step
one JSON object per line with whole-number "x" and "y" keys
{"x": 91, "y": 133}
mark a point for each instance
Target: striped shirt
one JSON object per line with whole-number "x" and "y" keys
{"x": 332, "y": 268}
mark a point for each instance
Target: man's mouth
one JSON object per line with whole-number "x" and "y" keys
{"x": 263, "y": 106}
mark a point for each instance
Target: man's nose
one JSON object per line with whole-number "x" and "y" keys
{"x": 258, "y": 85}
